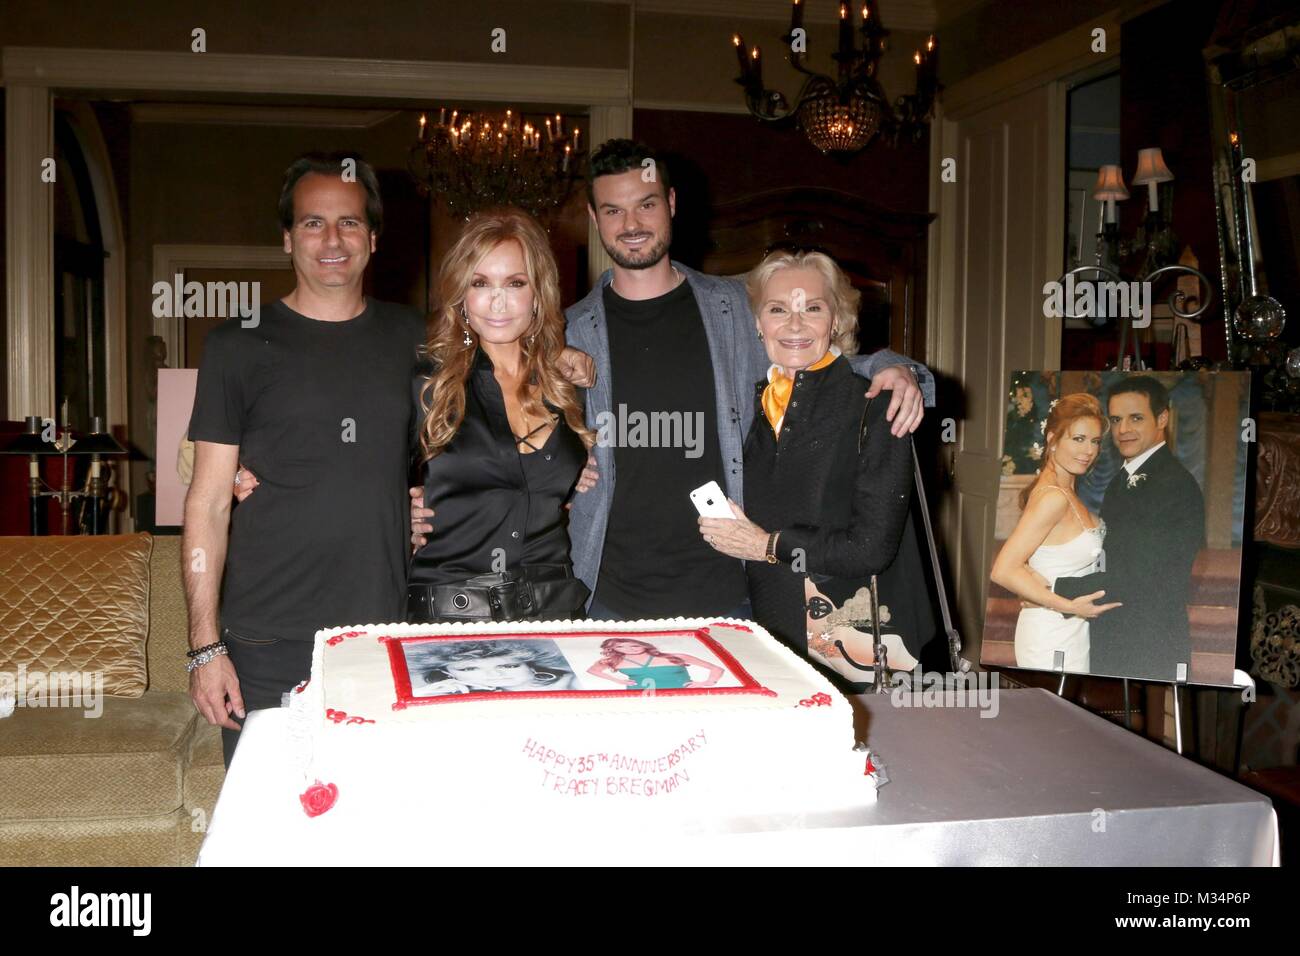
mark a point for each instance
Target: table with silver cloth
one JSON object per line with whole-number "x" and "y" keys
{"x": 1042, "y": 783}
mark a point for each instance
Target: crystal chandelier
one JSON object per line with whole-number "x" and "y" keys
{"x": 474, "y": 161}
{"x": 842, "y": 115}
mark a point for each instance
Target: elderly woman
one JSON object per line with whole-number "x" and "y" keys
{"x": 827, "y": 486}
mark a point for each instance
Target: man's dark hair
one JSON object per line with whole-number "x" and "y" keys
{"x": 1156, "y": 393}
{"x": 618, "y": 156}
{"x": 331, "y": 164}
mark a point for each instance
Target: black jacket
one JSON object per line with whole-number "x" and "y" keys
{"x": 837, "y": 485}
{"x": 1154, "y": 530}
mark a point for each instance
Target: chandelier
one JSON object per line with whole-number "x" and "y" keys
{"x": 844, "y": 114}
{"x": 476, "y": 160}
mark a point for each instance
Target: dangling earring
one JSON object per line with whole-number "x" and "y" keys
{"x": 760, "y": 336}
{"x": 467, "y": 340}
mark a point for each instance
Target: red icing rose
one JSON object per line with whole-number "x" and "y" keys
{"x": 338, "y": 638}
{"x": 318, "y": 798}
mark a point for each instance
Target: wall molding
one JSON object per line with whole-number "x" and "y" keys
{"x": 1062, "y": 56}
{"x": 29, "y": 252}
{"x": 416, "y": 80}
{"x": 220, "y": 114}
{"x": 169, "y": 260}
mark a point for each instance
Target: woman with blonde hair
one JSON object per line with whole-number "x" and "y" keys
{"x": 828, "y": 487}
{"x": 501, "y": 435}
{"x": 1056, "y": 537}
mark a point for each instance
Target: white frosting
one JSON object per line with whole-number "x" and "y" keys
{"x": 620, "y": 765}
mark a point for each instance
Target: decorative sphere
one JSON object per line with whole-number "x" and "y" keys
{"x": 1259, "y": 318}
{"x": 1293, "y": 363}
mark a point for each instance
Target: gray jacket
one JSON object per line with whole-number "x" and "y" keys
{"x": 739, "y": 361}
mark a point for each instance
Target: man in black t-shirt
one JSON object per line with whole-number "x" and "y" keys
{"x": 313, "y": 396}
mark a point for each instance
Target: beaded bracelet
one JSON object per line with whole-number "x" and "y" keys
{"x": 207, "y": 647}
{"x": 205, "y": 655}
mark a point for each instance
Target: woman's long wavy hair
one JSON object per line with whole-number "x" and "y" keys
{"x": 443, "y": 395}
{"x": 613, "y": 658}
{"x": 1068, "y": 410}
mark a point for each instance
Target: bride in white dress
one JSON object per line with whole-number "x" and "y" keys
{"x": 1056, "y": 537}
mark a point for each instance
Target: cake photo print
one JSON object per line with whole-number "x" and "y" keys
{"x": 1118, "y": 535}
{"x": 582, "y": 664}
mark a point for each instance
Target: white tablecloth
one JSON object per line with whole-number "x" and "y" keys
{"x": 1043, "y": 782}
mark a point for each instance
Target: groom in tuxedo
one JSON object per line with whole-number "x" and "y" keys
{"x": 1155, "y": 525}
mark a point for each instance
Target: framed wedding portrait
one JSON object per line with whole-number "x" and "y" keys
{"x": 1118, "y": 531}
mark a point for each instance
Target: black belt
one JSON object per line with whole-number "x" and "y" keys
{"x": 533, "y": 591}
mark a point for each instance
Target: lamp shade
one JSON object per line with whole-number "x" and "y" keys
{"x": 1110, "y": 184}
{"x": 28, "y": 445}
{"x": 97, "y": 444}
{"x": 97, "y": 441}
{"x": 30, "y": 442}
{"x": 1151, "y": 168}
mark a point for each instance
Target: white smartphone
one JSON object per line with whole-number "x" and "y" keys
{"x": 710, "y": 502}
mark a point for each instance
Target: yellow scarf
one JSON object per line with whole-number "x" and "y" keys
{"x": 780, "y": 386}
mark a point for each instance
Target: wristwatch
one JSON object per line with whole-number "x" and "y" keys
{"x": 770, "y": 555}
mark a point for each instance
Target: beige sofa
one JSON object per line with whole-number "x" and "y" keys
{"x": 134, "y": 787}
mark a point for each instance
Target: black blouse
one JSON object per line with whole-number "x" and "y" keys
{"x": 487, "y": 496}
{"x": 836, "y": 484}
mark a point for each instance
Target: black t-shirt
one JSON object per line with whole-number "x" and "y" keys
{"x": 321, "y": 414}
{"x": 488, "y": 499}
{"x": 655, "y": 562}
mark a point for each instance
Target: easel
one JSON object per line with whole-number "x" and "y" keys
{"x": 880, "y": 665}
{"x": 1241, "y": 682}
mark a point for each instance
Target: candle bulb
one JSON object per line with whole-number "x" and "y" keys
{"x": 741, "y": 56}
{"x": 846, "y": 31}
{"x": 422, "y": 122}
{"x": 549, "y": 134}
{"x": 442, "y": 116}
{"x": 575, "y": 139}
{"x": 796, "y": 16}
{"x": 758, "y": 68}
{"x": 454, "y": 114}
{"x": 565, "y": 166}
